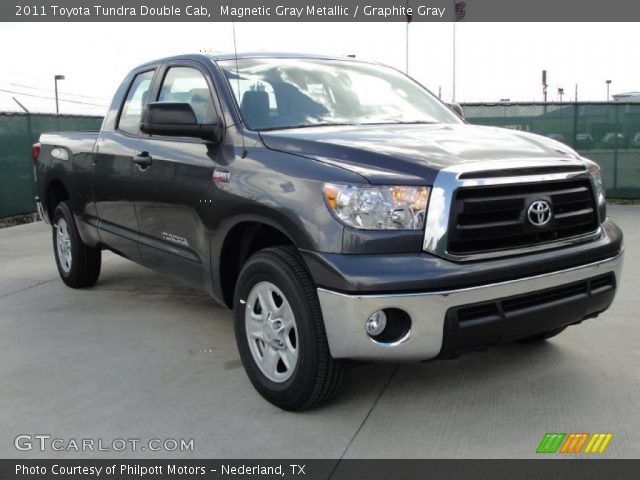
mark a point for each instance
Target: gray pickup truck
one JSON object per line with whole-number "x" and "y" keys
{"x": 339, "y": 208}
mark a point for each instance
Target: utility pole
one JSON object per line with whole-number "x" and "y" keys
{"x": 453, "y": 96}
{"x": 560, "y": 93}
{"x": 544, "y": 85}
{"x": 608, "y": 82}
{"x": 55, "y": 79}
{"x": 406, "y": 59}
{"x": 406, "y": 52}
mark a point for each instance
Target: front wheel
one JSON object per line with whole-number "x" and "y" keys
{"x": 78, "y": 263}
{"x": 280, "y": 332}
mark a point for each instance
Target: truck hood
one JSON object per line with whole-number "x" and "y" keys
{"x": 412, "y": 153}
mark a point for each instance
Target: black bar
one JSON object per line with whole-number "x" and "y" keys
{"x": 321, "y": 11}
{"x": 543, "y": 468}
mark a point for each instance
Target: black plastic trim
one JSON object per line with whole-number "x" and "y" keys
{"x": 479, "y": 326}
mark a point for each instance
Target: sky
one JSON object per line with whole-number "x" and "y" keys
{"x": 494, "y": 61}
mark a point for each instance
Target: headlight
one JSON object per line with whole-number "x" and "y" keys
{"x": 598, "y": 187}
{"x": 378, "y": 208}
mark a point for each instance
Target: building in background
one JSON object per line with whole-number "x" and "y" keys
{"x": 627, "y": 97}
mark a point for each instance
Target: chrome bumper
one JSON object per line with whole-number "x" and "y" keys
{"x": 345, "y": 315}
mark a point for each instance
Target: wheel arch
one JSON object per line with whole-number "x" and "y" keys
{"x": 55, "y": 192}
{"x": 241, "y": 240}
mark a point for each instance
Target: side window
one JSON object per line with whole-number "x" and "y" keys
{"x": 184, "y": 84}
{"x": 136, "y": 97}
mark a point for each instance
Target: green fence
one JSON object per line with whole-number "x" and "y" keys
{"x": 18, "y": 132}
{"x": 607, "y": 133}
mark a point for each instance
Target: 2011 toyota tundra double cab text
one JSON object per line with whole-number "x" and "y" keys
{"x": 340, "y": 209}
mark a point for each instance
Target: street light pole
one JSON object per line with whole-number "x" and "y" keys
{"x": 55, "y": 79}
{"x": 608, "y": 85}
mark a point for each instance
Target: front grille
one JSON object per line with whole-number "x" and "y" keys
{"x": 576, "y": 290}
{"x": 495, "y": 310}
{"x": 604, "y": 282}
{"x": 490, "y": 218}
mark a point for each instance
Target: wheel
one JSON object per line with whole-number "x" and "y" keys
{"x": 280, "y": 332}
{"x": 541, "y": 337}
{"x": 78, "y": 264}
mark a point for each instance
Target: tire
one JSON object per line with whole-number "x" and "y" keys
{"x": 78, "y": 264}
{"x": 541, "y": 337}
{"x": 287, "y": 359}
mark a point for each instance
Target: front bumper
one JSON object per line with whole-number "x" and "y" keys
{"x": 436, "y": 312}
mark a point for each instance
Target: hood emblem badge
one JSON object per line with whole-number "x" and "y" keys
{"x": 539, "y": 213}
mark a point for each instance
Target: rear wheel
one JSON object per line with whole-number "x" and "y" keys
{"x": 280, "y": 332}
{"x": 78, "y": 264}
{"x": 541, "y": 337}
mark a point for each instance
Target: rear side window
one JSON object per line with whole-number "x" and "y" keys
{"x": 136, "y": 98}
{"x": 185, "y": 84}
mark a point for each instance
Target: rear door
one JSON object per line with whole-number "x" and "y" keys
{"x": 114, "y": 178}
{"x": 175, "y": 197}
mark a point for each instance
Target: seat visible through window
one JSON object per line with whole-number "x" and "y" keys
{"x": 202, "y": 105}
{"x": 186, "y": 84}
{"x": 255, "y": 108}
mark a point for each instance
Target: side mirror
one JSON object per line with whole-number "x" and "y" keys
{"x": 457, "y": 109}
{"x": 176, "y": 119}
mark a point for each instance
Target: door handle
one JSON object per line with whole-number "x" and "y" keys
{"x": 143, "y": 160}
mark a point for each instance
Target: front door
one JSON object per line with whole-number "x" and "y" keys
{"x": 174, "y": 201}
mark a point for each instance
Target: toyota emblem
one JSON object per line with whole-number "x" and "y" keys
{"x": 539, "y": 213}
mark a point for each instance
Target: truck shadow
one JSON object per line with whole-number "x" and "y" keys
{"x": 517, "y": 369}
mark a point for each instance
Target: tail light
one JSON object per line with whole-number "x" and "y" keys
{"x": 35, "y": 151}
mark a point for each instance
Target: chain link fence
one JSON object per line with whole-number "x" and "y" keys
{"x": 18, "y": 131}
{"x": 607, "y": 133}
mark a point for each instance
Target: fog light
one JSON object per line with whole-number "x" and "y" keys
{"x": 376, "y": 323}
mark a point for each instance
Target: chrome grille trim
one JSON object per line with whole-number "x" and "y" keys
{"x": 448, "y": 181}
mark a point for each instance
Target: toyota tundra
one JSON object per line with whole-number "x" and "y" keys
{"x": 340, "y": 209}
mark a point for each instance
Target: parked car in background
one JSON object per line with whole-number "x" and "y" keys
{"x": 613, "y": 139}
{"x": 635, "y": 141}
{"x": 584, "y": 141}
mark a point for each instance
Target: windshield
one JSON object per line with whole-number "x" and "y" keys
{"x": 277, "y": 93}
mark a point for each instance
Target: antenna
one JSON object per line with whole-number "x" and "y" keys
{"x": 235, "y": 52}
